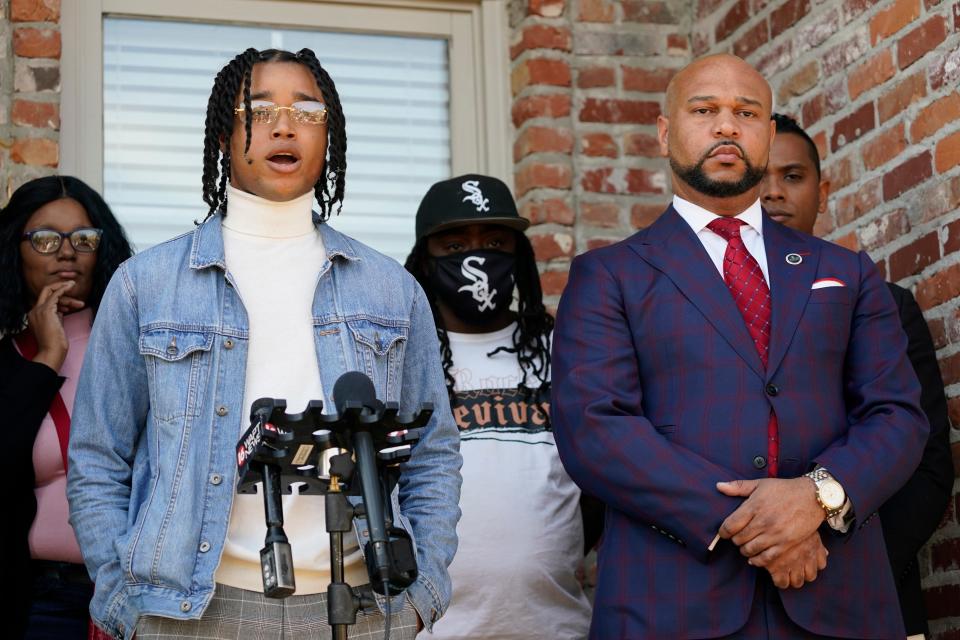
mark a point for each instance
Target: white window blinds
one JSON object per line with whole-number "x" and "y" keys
{"x": 157, "y": 79}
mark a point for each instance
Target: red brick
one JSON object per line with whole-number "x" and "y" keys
{"x": 44, "y": 115}
{"x": 895, "y": 101}
{"x": 778, "y": 57}
{"x": 552, "y": 210}
{"x": 853, "y": 8}
{"x": 919, "y": 41}
{"x": 590, "y": 77}
{"x": 648, "y": 12}
{"x": 641, "y": 144}
{"x": 945, "y": 555}
{"x": 540, "y": 106}
{"x": 699, "y": 43}
{"x": 549, "y": 246}
{"x": 935, "y": 116}
{"x": 610, "y": 42}
{"x": 542, "y": 175}
{"x": 545, "y": 8}
{"x": 854, "y": 206}
{"x": 820, "y": 140}
{"x": 799, "y": 83}
{"x": 889, "y": 21}
{"x": 914, "y": 257}
{"x": 812, "y": 110}
{"x": 850, "y": 50}
{"x": 755, "y": 37}
{"x": 938, "y": 333}
{"x": 553, "y": 282}
{"x": 929, "y": 4}
{"x": 542, "y": 140}
{"x": 950, "y": 235}
{"x": 787, "y": 15}
{"x": 737, "y": 15}
{"x": 599, "y": 243}
{"x": 649, "y": 80}
{"x": 950, "y": 368}
{"x": 541, "y": 36}
{"x": 881, "y": 231}
{"x": 907, "y": 175}
{"x": 839, "y": 172}
{"x": 540, "y": 71}
{"x": 598, "y": 145}
{"x": 885, "y": 146}
{"x": 956, "y": 16}
{"x": 36, "y": 43}
{"x": 835, "y": 96}
{"x": 873, "y": 72}
{"x": 849, "y": 241}
{"x": 623, "y": 181}
{"x": 945, "y": 69}
{"x": 938, "y": 288}
{"x": 824, "y": 225}
{"x": 679, "y": 42}
{"x": 596, "y": 11}
{"x": 600, "y": 214}
{"x": 34, "y": 10}
{"x": 643, "y": 215}
{"x": 939, "y": 197}
{"x": 35, "y": 151}
{"x": 882, "y": 269}
{"x": 953, "y": 407}
{"x": 619, "y": 111}
{"x": 947, "y": 154}
{"x": 852, "y": 127}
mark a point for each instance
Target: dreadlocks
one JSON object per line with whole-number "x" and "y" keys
{"x": 534, "y": 324}
{"x": 234, "y": 80}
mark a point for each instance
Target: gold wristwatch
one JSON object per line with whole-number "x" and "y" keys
{"x": 830, "y": 493}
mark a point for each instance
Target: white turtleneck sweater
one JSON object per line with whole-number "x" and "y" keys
{"x": 274, "y": 255}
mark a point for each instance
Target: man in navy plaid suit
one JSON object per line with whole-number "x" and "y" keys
{"x": 739, "y": 396}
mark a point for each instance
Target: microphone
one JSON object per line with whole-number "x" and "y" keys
{"x": 354, "y": 390}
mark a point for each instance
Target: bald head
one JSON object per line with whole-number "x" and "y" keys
{"x": 717, "y": 69}
{"x": 717, "y": 132}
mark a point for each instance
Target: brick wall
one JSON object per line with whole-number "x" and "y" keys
{"x": 875, "y": 83}
{"x": 29, "y": 91}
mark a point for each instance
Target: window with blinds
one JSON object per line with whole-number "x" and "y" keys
{"x": 157, "y": 77}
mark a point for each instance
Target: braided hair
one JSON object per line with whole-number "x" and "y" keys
{"x": 234, "y": 80}
{"x": 531, "y": 338}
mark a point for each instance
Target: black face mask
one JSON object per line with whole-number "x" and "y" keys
{"x": 476, "y": 285}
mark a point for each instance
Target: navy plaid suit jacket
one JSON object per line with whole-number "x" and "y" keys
{"x": 659, "y": 393}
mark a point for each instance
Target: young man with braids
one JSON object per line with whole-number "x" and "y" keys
{"x": 262, "y": 299}
{"x": 521, "y": 535}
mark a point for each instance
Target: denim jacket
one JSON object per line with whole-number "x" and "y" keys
{"x": 152, "y": 465}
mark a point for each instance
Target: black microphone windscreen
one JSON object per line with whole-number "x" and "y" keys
{"x": 354, "y": 386}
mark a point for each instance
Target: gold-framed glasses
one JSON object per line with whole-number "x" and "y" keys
{"x": 47, "y": 241}
{"x": 305, "y": 112}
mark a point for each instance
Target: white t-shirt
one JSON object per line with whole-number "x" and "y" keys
{"x": 521, "y": 533}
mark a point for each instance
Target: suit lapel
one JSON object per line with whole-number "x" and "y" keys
{"x": 789, "y": 284}
{"x": 671, "y": 246}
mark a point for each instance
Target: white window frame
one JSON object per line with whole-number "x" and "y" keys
{"x": 476, "y": 30}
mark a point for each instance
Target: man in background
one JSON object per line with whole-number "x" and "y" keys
{"x": 794, "y": 192}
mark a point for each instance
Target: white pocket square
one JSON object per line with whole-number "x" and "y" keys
{"x": 823, "y": 283}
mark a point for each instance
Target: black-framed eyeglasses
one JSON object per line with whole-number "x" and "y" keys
{"x": 47, "y": 241}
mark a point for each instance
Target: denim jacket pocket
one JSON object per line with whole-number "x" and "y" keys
{"x": 177, "y": 365}
{"x": 380, "y": 350}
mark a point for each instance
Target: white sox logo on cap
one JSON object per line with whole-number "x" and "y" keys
{"x": 476, "y": 197}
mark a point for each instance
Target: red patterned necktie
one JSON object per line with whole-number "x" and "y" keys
{"x": 745, "y": 281}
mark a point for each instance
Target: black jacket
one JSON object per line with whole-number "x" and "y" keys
{"x": 912, "y": 514}
{"x": 26, "y": 391}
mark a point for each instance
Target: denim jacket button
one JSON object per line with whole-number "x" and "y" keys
{"x": 222, "y": 411}
{"x": 204, "y": 546}
{"x": 228, "y": 344}
{"x": 215, "y": 478}
{"x": 185, "y": 606}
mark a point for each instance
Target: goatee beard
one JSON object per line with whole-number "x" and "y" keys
{"x": 699, "y": 181}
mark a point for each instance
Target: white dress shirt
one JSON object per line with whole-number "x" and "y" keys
{"x": 752, "y": 232}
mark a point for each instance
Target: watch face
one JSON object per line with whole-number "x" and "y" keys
{"x": 831, "y": 494}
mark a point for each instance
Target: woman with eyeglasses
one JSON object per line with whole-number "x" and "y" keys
{"x": 59, "y": 245}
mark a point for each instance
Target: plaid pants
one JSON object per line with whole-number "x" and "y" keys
{"x": 237, "y": 614}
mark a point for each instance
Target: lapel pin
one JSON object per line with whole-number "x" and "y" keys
{"x": 794, "y": 259}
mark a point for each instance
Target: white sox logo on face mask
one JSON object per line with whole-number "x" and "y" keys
{"x": 473, "y": 188}
{"x": 480, "y": 289}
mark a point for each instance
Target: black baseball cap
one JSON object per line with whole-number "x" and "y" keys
{"x": 467, "y": 199}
